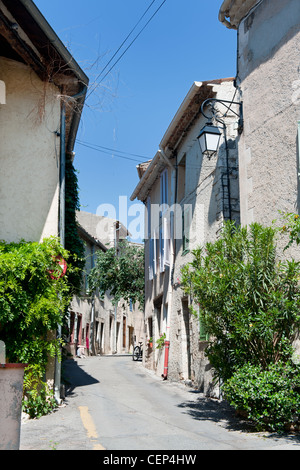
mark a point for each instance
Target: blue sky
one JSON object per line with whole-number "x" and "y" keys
{"x": 131, "y": 108}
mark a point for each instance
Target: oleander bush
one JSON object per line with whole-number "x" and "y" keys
{"x": 249, "y": 305}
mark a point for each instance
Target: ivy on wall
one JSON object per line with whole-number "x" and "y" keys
{"x": 73, "y": 242}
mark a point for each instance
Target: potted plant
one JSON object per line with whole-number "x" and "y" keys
{"x": 161, "y": 341}
{"x": 150, "y": 342}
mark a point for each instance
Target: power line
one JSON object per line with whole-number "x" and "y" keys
{"x": 132, "y": 42}
{"x": 108, "y": 151}
{"x": 125, "y": 40}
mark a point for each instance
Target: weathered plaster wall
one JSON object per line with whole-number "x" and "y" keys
{"x": 268, "y": 75}
{"x": 29, "y": 155}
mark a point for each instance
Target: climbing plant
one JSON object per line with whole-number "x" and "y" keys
{"x": 33, "y": 301}
{"x": 73, "y": 242}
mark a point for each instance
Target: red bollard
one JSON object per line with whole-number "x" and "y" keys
{"x": 165, "y": 374}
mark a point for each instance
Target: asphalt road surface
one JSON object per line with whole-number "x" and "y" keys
{"x": 114, "y": 404}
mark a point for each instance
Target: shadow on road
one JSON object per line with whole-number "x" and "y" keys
{"x": 217, "y": 411}
{"x": 224, "y": 415}
{"x": 74, "y": 376}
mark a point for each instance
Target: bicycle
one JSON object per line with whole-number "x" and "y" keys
{"x": 137, "y": 352}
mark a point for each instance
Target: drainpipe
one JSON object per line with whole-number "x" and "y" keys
{"x": 172, "y": 254}
{"x": 62, "y": 186}
{"x": 61, "y": 224}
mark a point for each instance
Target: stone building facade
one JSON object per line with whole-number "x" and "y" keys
{"x": 186, "y": 196}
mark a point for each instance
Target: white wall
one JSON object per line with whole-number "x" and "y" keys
{"x": 29, "y": 155}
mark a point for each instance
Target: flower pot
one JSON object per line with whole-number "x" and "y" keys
{"x": 11, "y": 393}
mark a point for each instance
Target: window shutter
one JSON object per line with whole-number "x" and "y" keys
{"x": 151, "y": 255}
{"x": 166, "y": 241}
{"x": 154, "y": 254}
{"x": 161, "y": 250}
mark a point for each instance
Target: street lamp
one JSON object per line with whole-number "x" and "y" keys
{"x": 209, "y": 137}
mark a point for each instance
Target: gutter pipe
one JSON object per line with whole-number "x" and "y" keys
{"x": 62, "y": 191}
{"x": 61, "y": 228}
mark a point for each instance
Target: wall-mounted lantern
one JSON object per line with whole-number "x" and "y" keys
{"x": 209, "y": 139}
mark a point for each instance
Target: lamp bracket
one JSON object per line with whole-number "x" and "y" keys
{"x": 210, "y": 102}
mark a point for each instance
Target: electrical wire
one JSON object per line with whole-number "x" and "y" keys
{"x": 132, "y": 42}
{"x": 125, "y": 40}
{"x": 108, "y": 151}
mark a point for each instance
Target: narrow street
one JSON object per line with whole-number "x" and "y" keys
{"x": 113, "y": 403}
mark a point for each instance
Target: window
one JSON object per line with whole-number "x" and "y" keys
{"x": 150, "y": 239}
{"x": 159, "y": 235}
{"x": 164, "y": 223}
{"x": 164, "y": 243}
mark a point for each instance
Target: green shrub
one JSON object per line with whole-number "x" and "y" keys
{"x": 249, "y": 300}
{"x": 270, "y": 398}
{"x": 32, "y": 304}
{"x": 38, "y": 397}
